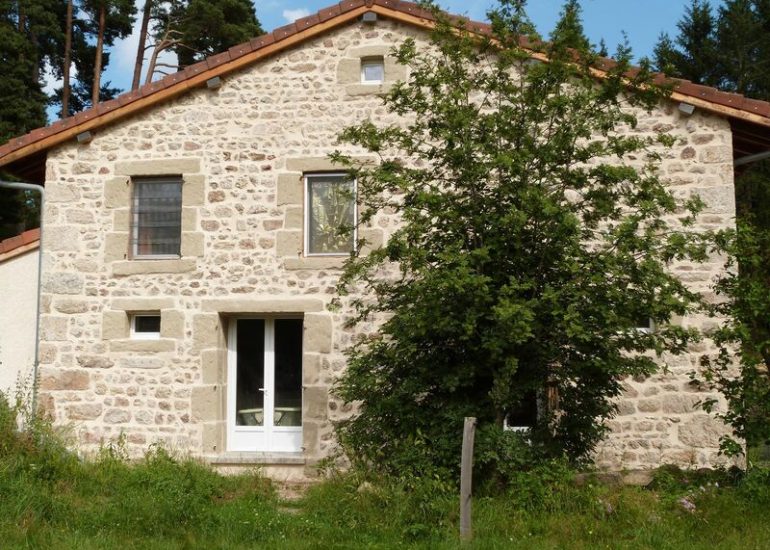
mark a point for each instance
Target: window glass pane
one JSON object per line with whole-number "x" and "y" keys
{"x": 331, "y": 206}
{"x": 373, "y": 70}
{"x": 288, "y": 372}
{"x": 157, "y": 217}
{"x": 147, "y": 323}
{"x": 250, "y": 373}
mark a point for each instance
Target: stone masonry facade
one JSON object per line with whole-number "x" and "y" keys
{"x": 241, "y": 151}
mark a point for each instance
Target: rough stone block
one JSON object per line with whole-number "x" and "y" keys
{"x": 206, "y": 331}
{"x": 290, "y": 189}
{"x": 213, "y": 437}
{"x": 143, "y": 362}
{"x": 295, "y": 217}
{"x": 213, "y": 366}
{"x": 318, "y": 333}
{"x": 62, "y": 238}
{"x": 171, "y": 324}
{"x": 192, "y": 244}
{"x": 84, "y": 411}
{"x": 115, "y": 247}
{"x": 311, "y": 368}
{"x": 117, "y": 193}
{"x": 139, "y": 267}
{"x": 121, "y": 220}
{"x": 117, "y": 416}
{"x": 189, "y": 218}
{"x": 155, "y": 346}
{"x": 60, "y": 379}
{"x": 374, "y": 239}
{"x": 70, "y": 306}
{"x": 94, "y": 362}
{"x": 288, "y": 243}
{"x": 206, "y": 403}
{"x": 56, "y": 192}
{"x": 53, "y": 329}
{"x": 114, "y": 325}
{"x": 193, "y": 190}
{"x": 159, "y": 167}
{"x": 315, "y": 401}
{"x": 322, "y": 164}
{"x": 701, "y": 431}
{"x": 314, "y": 263}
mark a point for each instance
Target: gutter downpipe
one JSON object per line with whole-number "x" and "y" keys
{"x": 35, "y": 189}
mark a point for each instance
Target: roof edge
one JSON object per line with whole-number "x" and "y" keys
{"x": 20, "y": 244}
{"x": 238, "y": 57}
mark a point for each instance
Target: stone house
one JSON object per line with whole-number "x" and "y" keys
{"x": 188, "y": 262}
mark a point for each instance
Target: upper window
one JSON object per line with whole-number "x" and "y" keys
{"x": 145, "y": 326}
{"x": 330, "y": 213}
{"x": 372, "y": 70}
{"x": 156, "y": 221}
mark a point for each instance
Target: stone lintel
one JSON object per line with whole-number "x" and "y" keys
{"x": 138, "y": 267}
{"x": 158, "y": 167}
{"x": 259, "y": 305}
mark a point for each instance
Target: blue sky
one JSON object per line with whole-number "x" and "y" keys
{"x": 642, "y": 20}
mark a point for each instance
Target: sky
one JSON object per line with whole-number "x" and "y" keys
{"x": 642, "y": 20}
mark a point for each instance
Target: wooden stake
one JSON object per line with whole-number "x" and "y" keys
{"x": 466, "y": 478}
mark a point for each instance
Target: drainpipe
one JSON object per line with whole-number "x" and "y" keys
{"x": 35, "y": 189}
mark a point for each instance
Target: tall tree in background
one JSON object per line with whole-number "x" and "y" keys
{"x": 207, "y": 27}
{"x": 112, "y": 19}
{"x": 142, "y": 43}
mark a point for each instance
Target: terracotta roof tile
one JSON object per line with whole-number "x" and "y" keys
{"x": 10, "y": 244}
{"x": 686, "y": 88}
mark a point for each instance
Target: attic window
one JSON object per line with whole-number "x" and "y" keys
{"x": 372, "y": 70}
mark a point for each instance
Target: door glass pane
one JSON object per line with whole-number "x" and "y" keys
{"x": 288, "y": 372}
{"x": 250, "y": 373}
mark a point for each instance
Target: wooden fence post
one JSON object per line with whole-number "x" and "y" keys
{"x": 466, "y": 478}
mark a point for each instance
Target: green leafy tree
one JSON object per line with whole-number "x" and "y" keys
{"x": 531, "y": 245}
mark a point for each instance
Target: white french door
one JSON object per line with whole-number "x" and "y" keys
{"x": 264, "y": 389}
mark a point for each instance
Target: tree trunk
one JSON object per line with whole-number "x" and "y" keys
{"x": 65, "y": 91}
{"x": 98, "y": 62}
{"x": 142, "y": 43}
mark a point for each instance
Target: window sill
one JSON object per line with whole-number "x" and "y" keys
{"x": 315, "y": 262}
{"x": 142, "y": 266}
{"x": 369, "y": 89}
{"x": 257, "y": 459}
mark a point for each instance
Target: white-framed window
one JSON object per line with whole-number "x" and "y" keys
{"x": 373, "y": 70}
{"x": 330, "y": 207}
{"x": 156, "y": 217}
{"x": 645, "y": 324}
{"x": 145, "y": 326}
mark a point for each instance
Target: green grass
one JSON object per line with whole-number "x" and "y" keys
{"x": 51, "y": 499}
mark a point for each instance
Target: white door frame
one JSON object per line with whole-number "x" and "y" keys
{"x": 268, "y": 437}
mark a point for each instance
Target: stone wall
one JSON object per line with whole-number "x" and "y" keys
{"x": 242, "y": 150}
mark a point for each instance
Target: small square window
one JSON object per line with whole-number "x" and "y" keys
{"x": 330, "y": 207}
{"x": 644, "y": 324}
{"x": 145, "y": 326}
{"x": 372, "y": 70}
{"x": 156, "y": 217}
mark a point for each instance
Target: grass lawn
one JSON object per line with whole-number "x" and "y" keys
{"x": 51, "y": 499}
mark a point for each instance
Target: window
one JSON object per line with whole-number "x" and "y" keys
{"x": 156, "y": 219}
{"x": 372, "y": 70}
{"x": 330, "y": 209}
{"x": 644, "y": 324}
{"x": 145, "y": 326}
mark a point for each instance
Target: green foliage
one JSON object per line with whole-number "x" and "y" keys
{"x": 531, "y": 244}
{"x": 208, "y": 27}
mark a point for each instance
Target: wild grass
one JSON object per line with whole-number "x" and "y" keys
{"x": 50, "y": 498}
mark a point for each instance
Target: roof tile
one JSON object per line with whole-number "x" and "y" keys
{"x": 307, "y": 22}
{"x": 262, "y": 41}
{"x": 284, "y": 32}
{"x": 216, "y": 60}
{"x": 195, "y": 69}
{"x": 328, "y": 13}
{"x": 240, "y": 50}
